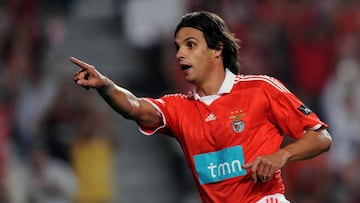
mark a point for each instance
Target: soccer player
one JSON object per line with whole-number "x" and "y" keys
{"x": 231, "y": 126}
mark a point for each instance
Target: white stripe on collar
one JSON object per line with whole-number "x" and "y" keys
{"x": 225, "y": 87}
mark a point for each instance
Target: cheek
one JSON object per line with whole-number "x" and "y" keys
{"x": 205, "y": 61}
{"x": 200, "y": 58}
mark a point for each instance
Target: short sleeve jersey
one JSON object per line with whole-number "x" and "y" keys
{"x": 248, "y": 120}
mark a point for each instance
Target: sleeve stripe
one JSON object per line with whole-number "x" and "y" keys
{"x": 148, "y": 133}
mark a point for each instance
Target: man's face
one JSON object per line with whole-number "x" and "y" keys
{"x": 194, "y": 56}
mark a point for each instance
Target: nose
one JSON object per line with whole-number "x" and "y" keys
{"x": 179, "y": 54}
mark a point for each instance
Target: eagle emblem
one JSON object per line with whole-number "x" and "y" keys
{"x": 237, "y": 125}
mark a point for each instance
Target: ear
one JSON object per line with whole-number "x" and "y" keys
{"x": 218, "y": 49}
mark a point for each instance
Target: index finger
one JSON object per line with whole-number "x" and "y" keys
{"x": 253, "y": 169}
{"x": 80, "y": 63}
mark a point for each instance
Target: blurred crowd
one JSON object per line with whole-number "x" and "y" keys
{"x": 48, "y": 133}
{"x": 56, "y": 146}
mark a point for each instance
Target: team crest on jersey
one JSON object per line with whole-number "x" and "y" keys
{"x": 237, "y": 125}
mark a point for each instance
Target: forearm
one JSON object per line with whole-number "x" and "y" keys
{"x": 310, "y": 145}
{"x": 120, "y": 99}
{"x": 128, "y": 105}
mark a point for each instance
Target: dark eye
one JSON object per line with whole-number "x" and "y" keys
{"x": 190, "y": 44}
{"x": 177, "y": 47}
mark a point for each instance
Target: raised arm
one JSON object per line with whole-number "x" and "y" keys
{"x": 120, "y": 99}
{"x": 311, "y": 144}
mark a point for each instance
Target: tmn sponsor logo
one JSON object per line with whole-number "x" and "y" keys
{"x": 220, "y": 165}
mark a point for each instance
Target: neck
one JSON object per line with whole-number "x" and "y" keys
{"x": 212, "y": 84}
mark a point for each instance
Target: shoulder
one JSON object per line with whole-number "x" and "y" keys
{"x": 173, "y": 99}
{"x": 262, "y": 81}
{"x": 178, "y": 96}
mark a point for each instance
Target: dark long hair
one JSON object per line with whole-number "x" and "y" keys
{"x": 216, "y": 34}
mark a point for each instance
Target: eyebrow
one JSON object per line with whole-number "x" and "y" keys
{"x": 187, "y": 39}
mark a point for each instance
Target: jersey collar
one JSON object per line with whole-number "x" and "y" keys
{"x": 228, "y": 83}
{"x": 225, "y": 87}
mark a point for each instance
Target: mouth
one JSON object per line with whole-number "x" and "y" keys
{"x": 185, "y": 67}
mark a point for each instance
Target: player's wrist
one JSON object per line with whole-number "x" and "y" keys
{"x": 286, "y": 154}
{"x": 106, "y": 87}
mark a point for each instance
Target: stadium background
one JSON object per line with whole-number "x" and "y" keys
{"x": 310, "y": 45}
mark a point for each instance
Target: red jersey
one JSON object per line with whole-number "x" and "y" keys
{"x": 248, "y": 118}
